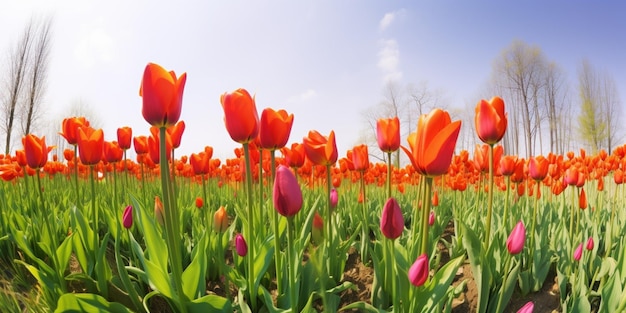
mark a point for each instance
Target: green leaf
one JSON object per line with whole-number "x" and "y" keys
{"x": 155, "y": 245}
{"x": 87, "y": 302}
{"x": 193, "y": 276}
{"x": 158, "y": 279}
{"x": 263, "y": 260}
{"x": 362, "y": 307}
{"x": 611, "y": 294}
{"x": 209, "y": 303}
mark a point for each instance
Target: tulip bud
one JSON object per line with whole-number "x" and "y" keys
{"x": 287, "y": 194}
{"x": 240, "y": 245}
{"x": 418, "y": 273}
{"x": 334, "y": 198}
{"x": 158, "y": 210}
{"x": 578, "y": 253}
{"x": 318, "y": 228}
{"x": 431, "y": 218}
{"x": 127, "y": 217}
{"x": 527, "y": 308}
{"x": 220, "y": 220}
{"x": 582, "y": 199}
{"x": 435, "y": 201}
{"x": 515, "y": 242}
{"x": 199, "y": 203}
{"x": 392, "y": 221}
{"x": 590, "y": 244}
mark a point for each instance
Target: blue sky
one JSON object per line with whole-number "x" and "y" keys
{"x": 325, "y": 61}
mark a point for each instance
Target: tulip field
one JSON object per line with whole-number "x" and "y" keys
{"x": 284, "y": 227}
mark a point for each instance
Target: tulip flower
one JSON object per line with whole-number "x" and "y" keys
{"x": 490, "y": 120}
{"x": 618, "y": 176}
{"x": 274, "y": 128}
{"x": 70, "y": 129}
{"x": 287, "y": 194}
{"x": 319, "y": 149}
{"x": 578, "y": 253}
{"x": 20, "y": 158}
{"x": 507, "y": 165}
{"x": 431, "y": 218}
{"x": 360, "y": 158}
{"x": 515, "y": 241}
{"x": 220, "y": 220}
{"x": 388, "y": 134}
{"x": 392, "y": 221}
{"x": 140, "y": 143}
{"x": 527, "y": 308}
{"x": 112, "y": 151}
{"x": 200, "y": 163}
{"x": 176, "y": 133}
{"x": 124, "y": 136}
{"x": 334, "y": 198}
{"x": 35, "y": 150}
{"x": 318, "y": 228}
{"x": 158, "y": 210}
{"x": 240, "y": 245}
{"x": 294, "y": 156}
{"x": 90, "y": 145}
{"x": 418, "y": 273}
{"x": 538, "y": 168}
{"x": 582, "y": 199}
{"x": 199, "y": 202}
{"x": 435, "y": 200}
{"x": 162, "y": 95}
{"x": 240, "y": 115}
{"x": 127, "y": 217}
{"x": 432, "y": 146}
{"x": 590, "y": 244}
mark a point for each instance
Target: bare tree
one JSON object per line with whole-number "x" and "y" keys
{"x": 37, "y": 75}
{"x": 16, "y": 78}
{"x": 556, "y": 106}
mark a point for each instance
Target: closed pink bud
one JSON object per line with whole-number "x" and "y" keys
{"x": 431, "y": 218}
{"x": 287, "y": 193}
{"x": 418, "y": 273}
{"x": 515, "y": 242}
{"x": 590, "y": 244}
{"x": 240, "y": 245}
{"x": 127, "y": 217}
{"x": 578, "y": 253}
{"x": 392, "y": 221}
{"x": 527, "y": 308}
{"x": 334, "y": 198}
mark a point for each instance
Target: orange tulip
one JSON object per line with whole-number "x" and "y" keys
{"x": 200, "y": 163}
{"x": 20, "y": 158}
{"x": 112, "y": 152}
{"x": 274, "y": 128}
{"x": 70, "y": 128}
{"x": 90, "y": 145}
{"x": 124, "y": 136}
{"x": 9, "y": 171}
{"x": 36, "y": 151}
{"x": 141, "y": 144}
{"x": 319, "y": 149}
{"x": 490, "y": 120}
{"x": 433, "y": 144}
{"x": 176, "y": 133}
{"x": 388, "y": 134}
{"x": 538, "y": 168}
{"x": 582, "y": 199}
{"x": 507, "y": 165}
{"x": 220, "y": 220}
{"x": 295, "y": 155}
{"x": 240, "y": 115}
{"x": 162, "y": 95}
{"x": 360, "y": 158}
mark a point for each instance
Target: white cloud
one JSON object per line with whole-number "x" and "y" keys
{"x": 389, "y": 18}
{"x": 388, "y": 60}
{"x": 94, "y": 45}
{"x": 303, "y": 96}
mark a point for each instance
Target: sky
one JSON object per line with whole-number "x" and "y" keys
{"x": 324, "y": 61}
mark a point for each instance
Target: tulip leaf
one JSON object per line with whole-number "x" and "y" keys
{"x": 193, "y": 276}
{"x": 209, "y": 303}
{"x": 86, "y": 302}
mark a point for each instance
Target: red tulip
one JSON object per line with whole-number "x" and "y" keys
{"x": 294, "y": 156}
{"x": 35, "y": 150}
{"x": 240, "y": 115}
{"x": 127, "y": 217}
{"x": 70, "y": 128}
{"x": 431, "y": 218}
{"x": 287, "y": 194}
{"x": 124, "y": 136}
{"x": 490, "y": 120}
{"x": 582, "y": 199}
{"x": 240, "y": 245}
{"x": 507, "y": 165}
{"x": 318, "y": 228}
{"x": 141, "y": 144}
{"x": 162, "y": 95}
{"x": 200, "y": 163}
{"x": 319, "y": 149}
{"x": 392, "y": 221}
{"x": 90, "y": 145}
{"x": 360, "y": 158}
{"x": 590, "y": 244}
{"x": 432, "y": 146}
{"x": 515, "y": 241}
{"x": 418, "y": 273}
{"x": 538, "y": 168}
{"x": 388, "y": 134}
{"x": 274, "y": 129}
{"x": 199, "y": 202}
{"x": 112, "y": 152}
{"x": 176, "y": 133}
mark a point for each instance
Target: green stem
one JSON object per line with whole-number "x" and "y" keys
{"x": 490, "y": 204}
{"x": 329, "y": 228}
{"x": 250, "y": 229}
{"x": 425, "y": 212}
{"x": 275, "y": 221}
{"x": 388, "y": 175}
{"x": 143, "y": 181}
{"x": 293, "y": 265}
{"x": 76, "y": 175}
{"x": 364, "y": 224}
{"x": 172, "y": 227}
{"x": 394, "y": 278}
{"x": 415, "y": 221}
{"x": 94, "y": 210}
{"x": 531, "y": 246}
{"x": 571, "y": 216}
{"x": 499, "y": 307}
{"x": 506, "y": 203}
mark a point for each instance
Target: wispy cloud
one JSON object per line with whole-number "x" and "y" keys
{"x": 389, "y": 59}
{"x": 389, "y": 18}
{"x": 94, "y": 45}
{"x": 303, "y": 96}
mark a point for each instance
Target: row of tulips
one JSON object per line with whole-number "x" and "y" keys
{"x": 395, "y": 217}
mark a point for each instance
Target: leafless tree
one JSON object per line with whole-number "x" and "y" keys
{"x": 15, "y": 81}
{"x": 37, "y": 75}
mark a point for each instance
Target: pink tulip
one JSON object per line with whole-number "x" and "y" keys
{"x": 418, "y": 273}
{"x": 240, "y": 245}
{"x": 127, "y": 217}
{"x": 515, "y": 242}
{"x": 527, "y": 308}
{"x": 578, "y": 253}
{"x": 431, "y": 218}
{"x": 287, "y": 193}
{"x": 392, "y": 221}
{"x": 334, "y": 198}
